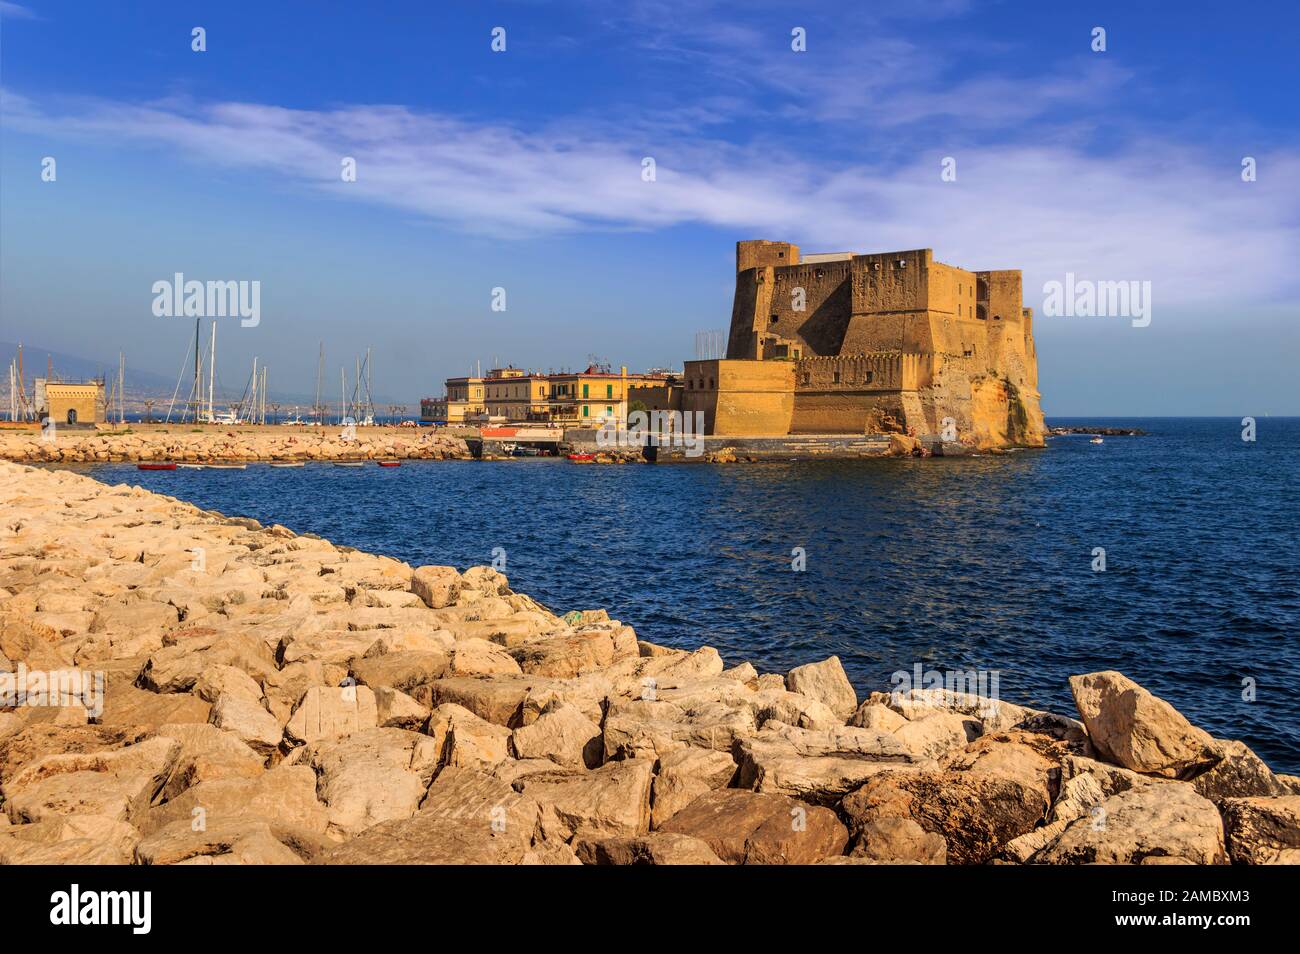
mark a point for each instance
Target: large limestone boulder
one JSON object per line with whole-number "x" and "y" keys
{"x": 686, "y": 774}
{"x": 613, "y": 799}
{"x": 826, "y": 682}
{"x": 1165, "y": 821}
{"x": 1263, "y": 831}
{"x": 478, "y": 657}
{"x": 465, "y": 740}
{"x": 71, "y": 840}
{"x": 586, "y": 650}
{"x": 437, "y": 586}
{"x": 1239, "y": 773}
{"x": 207, "y": 754}
{"x": 247, "y": 720}
{"x": 371, "y": 776}
{"x": 980, "y": 798}
{"x": 895, "y": 840}
{"x": 326, "y": 712}
{"x": 430, "y": 839}
{"x": 482, "y": 800}
{"x": 562, "y": 734}
{"x": 1084, "y": 785}
{"x": 1130, "y": 727}
{"x": 239, "y": 840}
{"x": 119, "y": 784}
{"x": 744, "y": 827}
{"x": 655, "y": 848}
{"x": 124, "y": 704}
{"x": 819, "y": 766}
{"x": 285, "y": 795}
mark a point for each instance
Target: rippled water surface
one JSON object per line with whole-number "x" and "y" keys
{"x": 979, "y": 563}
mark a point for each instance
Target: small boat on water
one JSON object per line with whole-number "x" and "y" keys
{"x": 286, "y": 463}
{"x": 191, "y": 466}
{"x": 226, "y": 466}
{"x": 349, "y": 463}
{"x": 155, "y": 466}
{"x": 582, "y": 458}
{"x": 1096, "y": 440}
{"x": 389, "y": 463}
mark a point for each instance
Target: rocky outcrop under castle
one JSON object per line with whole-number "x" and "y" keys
{"x": 271, "y": 698}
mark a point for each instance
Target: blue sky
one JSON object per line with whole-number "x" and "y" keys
{"x": 522, "y": 170}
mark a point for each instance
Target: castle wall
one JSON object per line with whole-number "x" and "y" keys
{"x": 741, "y": 398}
{"x": 963, "y": 337}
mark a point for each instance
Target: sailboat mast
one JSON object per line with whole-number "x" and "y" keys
{"x": 212, "y": 370}
{"x": 197, "y": 390}
{"x": 320, "y": 365}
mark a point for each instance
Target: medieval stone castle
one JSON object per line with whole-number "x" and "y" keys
{"x": 841, "y": 343}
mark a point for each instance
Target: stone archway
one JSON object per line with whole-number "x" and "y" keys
{"x": 72, "y": 415}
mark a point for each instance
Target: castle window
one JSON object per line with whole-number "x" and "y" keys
{"x": 837, "y": 377}
{"x": 710, "y": 384}
{"x": 807, "y": 378}
{"x": 774, "y": 319}
{"x": 997, "y": 317}
{"x": 866, "y": 378}
{"x": 958, "y": 308}
{"x": 902, "y": 263}
{"x": 780, "y": 254}
{"x": 819, "y": 273}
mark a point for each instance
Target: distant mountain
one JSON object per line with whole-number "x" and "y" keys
{"x": 72, "y": 368}
{"x": 140, "y": 384}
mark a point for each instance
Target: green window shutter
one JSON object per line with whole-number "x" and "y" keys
{"x": 585, "y": 388}
{"x": 585, "y": 410}
{"x": 609, "y": 390}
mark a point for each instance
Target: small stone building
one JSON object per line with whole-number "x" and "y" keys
{"x": 70, "y": 403}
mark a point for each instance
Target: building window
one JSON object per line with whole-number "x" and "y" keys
{"x": 866, "y": 378}
{"x": 774, "y": 319}
{"x": 585, "y": 389}
{"x": 837, "y": 377}
{"x": 609, "y": 390}
{"x": 807, "y": 377}
{"x": 608, "y": 411}
{"x": 586, "y": 411}
{"x": 959, "y": 308}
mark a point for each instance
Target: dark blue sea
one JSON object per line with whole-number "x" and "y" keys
{"x": 977, "y": 563}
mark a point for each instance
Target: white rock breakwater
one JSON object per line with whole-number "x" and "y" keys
{"x": 268, "y": 697}
{"x": 151, "y": 443}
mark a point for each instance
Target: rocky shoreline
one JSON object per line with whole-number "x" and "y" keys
{"x": 266, "y": 697}
{"x": 1062, "y": 431}
{"x": 229, "y": 445}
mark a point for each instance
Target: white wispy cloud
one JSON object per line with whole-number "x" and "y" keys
{"x": 15, "y": 11}
{"x": 1157, "y": 210}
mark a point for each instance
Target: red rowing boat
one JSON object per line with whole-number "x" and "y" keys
{"x": 582, "y": 458}
{"x": 390, "y": 463}
{"x": 156, "y": 466}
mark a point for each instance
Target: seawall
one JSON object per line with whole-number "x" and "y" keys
{"x": 191, "y": 444}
